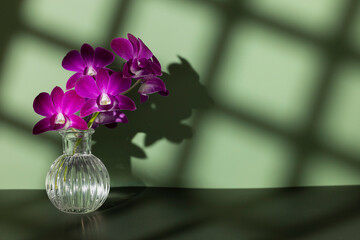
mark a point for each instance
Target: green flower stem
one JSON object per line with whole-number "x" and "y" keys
{"x": 90, "y": 123}
{"x": 132, "y": 87}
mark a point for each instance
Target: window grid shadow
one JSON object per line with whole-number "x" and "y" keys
{"x": 336, "y": 48}
{"x": 301, "y": 140}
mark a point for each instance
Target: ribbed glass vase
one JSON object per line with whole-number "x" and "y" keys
{"x": 77, "y": 181}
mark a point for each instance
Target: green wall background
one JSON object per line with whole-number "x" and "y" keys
{"x": 278, "y": 103}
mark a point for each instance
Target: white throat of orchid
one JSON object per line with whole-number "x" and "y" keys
{"x": 60, "y": 119}
{"x": 104, "y": 99}
{"x": 91, "y": 71}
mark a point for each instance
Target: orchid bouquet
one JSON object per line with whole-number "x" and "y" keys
{"x": 96, "y": 92}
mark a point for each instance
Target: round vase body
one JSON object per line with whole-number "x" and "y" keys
{"x": 77, "y": 181}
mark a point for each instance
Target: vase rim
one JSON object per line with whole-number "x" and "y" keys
{"x": 73, "y": 130}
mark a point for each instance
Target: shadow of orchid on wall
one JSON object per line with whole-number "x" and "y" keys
{"x": 159, "y": 118}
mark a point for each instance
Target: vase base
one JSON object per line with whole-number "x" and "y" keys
{"x": 77, "y": 211}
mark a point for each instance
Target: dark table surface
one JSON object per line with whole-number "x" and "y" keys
{"x": 168, "y": 213}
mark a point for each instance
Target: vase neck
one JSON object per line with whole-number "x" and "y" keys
{"x": 76, "y": 141}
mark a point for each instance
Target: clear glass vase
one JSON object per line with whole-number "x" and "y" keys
{"x": 77, "y": 181}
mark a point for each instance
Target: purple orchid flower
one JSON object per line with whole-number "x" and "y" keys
{"x": 141, "y": 64}
{"x": 104, "y": 93}
{"x": 110, "y": 119}
{"x": 59, "y": 110}
{"x": 87, "y": 62}
{"x": 150, "y": 86}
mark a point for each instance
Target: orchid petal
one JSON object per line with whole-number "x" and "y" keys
{"x": 111, "y": 117}
{"x": 135, "y": 44}
{"x": 126, "y": 69}
{"x": 44, "y": 105}
{"x": 120, "y": 117}
{"x": 87, "y": 53}
{"x": 125, "y": 103}
{"x": 164, "y": 93}
{"x": 151, "y": 86}
{"x": 111, "y": 125}
{"x": 42, "y": 126}
{"x": 73, "y": 62}
{"x": 144, "y": 51}
{"x": 156, "y": 66}
{"x": 72, "y": 102}
{"x": 86, "y": 87}
{"x": 155, "y": 69}
{"x": 89, "y": 107}
{"x": 103, "y": 57}
{"x": 123, "y": 48}
{"x": 118, "y": 84}
{"x": 144, "y": 63}
{"x": 156, "y": 61}
{"x": 77, "y": 122}
{"x": 57, "y": 96}
{"x": 143, "y": 98}
{"x": 102, "y": 80}
{"x": 72, "y": 80}
{"x": 110, "y": 71}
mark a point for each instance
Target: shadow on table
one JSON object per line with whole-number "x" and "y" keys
{"x": 159, "y": 118}
{"x": 169, "y": 213}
